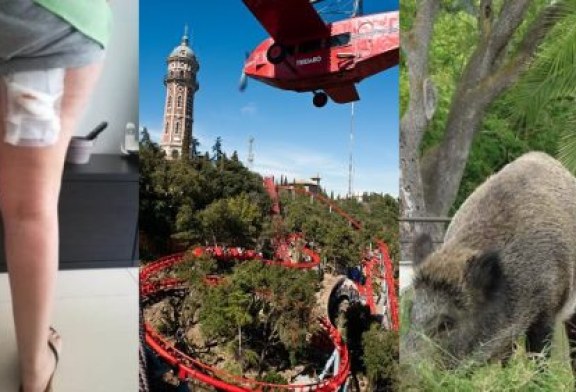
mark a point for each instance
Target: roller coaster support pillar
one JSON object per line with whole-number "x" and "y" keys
{"x": 333, "y": 360}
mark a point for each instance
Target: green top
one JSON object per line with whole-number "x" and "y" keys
{"x": 91, "y": 17}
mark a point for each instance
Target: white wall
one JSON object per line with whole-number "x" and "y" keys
{"x": 116, "y": 97}
{"x": 406, "y": 274}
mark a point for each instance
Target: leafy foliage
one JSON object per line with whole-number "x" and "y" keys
{"x": 339, "y": 244}
{"x": 534, "y": 115}
{"x": 272, "y": 304}
{"x": 567, "y": 151}
{"x": 274, "y": 378}
{"x": 551, "y": 84}
{"x": 381, "y": 357}
{"x": 199, "y": 199}
{"x": 235, "y": 221}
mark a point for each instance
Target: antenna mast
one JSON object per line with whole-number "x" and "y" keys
{"x": 351, "y": 160}
{"x": 358, "y": 8}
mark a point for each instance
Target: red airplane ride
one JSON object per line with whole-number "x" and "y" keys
{"x": 305, "y": 54}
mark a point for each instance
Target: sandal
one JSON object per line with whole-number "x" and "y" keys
{"x": 56, "y": 357}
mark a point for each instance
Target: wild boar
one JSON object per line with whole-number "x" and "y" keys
{"x": 507, "y": 267}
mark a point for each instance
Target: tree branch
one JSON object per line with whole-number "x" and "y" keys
{"x": 510, "y": 18}
{"x": 511, "y": 71}
{"x": 480, "y": 85}
{"x": 485, "y": 17}
{"x": 416, "y": 42}
{"x": 416, "y": 45}
{"x": 495, "y": 36}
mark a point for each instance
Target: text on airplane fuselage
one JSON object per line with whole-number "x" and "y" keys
{"x": 310, "y": 60}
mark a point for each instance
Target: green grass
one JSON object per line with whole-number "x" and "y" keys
{"x": 521, "y": 373}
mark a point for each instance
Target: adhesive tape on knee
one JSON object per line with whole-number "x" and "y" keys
{"x": 33, "y": 107}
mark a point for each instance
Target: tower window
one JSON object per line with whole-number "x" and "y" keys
{"x": 169, "y": 101}
{"x": 181, "y": 74}
{"x": 179, "y": 101}
{"x": 175, "y": 154}
{"x": 177, "y": 131}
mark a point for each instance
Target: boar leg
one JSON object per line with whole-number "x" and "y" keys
{"x": 539, "y": 336}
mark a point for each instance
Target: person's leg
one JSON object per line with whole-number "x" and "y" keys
{"x": 30, "y": 179}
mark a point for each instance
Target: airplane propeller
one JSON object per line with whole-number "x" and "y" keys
{"x": 243, "y": 78}
{"x": 243, "y": 82}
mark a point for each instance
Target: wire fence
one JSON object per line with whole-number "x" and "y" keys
{"x": 435, "y": 226}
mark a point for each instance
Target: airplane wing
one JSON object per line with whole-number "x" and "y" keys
{"x": 343, "y": 94}
{"x": 288, "y": 21}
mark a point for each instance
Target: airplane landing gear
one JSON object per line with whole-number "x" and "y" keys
{"x": 320, "y": 99}
{"x": 276, "y": 53}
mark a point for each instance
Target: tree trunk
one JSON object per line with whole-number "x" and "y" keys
{"x": 442, "y": 167}
{"x": 239, "y": 340}
{"x": 262, "y": 359}
{"x": 415, "y": 46}
{"x": 429, "y": 184}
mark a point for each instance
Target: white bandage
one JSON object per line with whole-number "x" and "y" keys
{"x": 33, "y": 107}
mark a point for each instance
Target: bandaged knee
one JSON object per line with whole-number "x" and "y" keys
{"x": 33, "y": 107}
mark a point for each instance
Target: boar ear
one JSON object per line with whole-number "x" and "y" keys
{"x": 422, "y": 248}
{"x": 483, "y": 272}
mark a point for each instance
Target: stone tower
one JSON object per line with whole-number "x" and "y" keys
{"x": 181, "y": 85}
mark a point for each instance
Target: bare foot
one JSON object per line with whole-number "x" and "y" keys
{"x": 39, "y": 380}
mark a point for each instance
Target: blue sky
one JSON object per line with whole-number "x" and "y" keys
{"x": 292, "y": 137}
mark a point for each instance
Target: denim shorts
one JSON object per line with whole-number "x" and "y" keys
{"x": 32, "y": 38}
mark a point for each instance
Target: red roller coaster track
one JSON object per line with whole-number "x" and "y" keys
{"x": 190, "y": 368}
{"x": 381, "y": 260}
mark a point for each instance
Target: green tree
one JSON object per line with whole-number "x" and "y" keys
{"x": 238, "y": 311}
{"x": 235, "y": 221}
{"x": 381, "y": 356}
{"x": 145, "y": 138}
{"x": 194, "y": 148}
{"x": 275, "y": 302}
{"x": 492, "y": 49}
{"x": 174, "y": 195}
{"x": 551, "y": 81}
{"x": 155, "y": 215}
{"x": 217, "y": 152}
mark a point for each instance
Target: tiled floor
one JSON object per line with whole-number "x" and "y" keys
{"x": 97, "y": 316}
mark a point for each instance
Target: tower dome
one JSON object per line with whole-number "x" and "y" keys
{"x": 183, "y": 50}
{"x": 181, "y": 85}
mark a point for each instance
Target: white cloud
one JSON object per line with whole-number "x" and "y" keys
{"x": 155, "y": 134}
{"x": 385, "y": 179}
{"x": 296, "y": 163}
{"x": 249, "y": 109}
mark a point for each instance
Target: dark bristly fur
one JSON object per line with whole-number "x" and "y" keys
{"x": 507, "y": 267}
